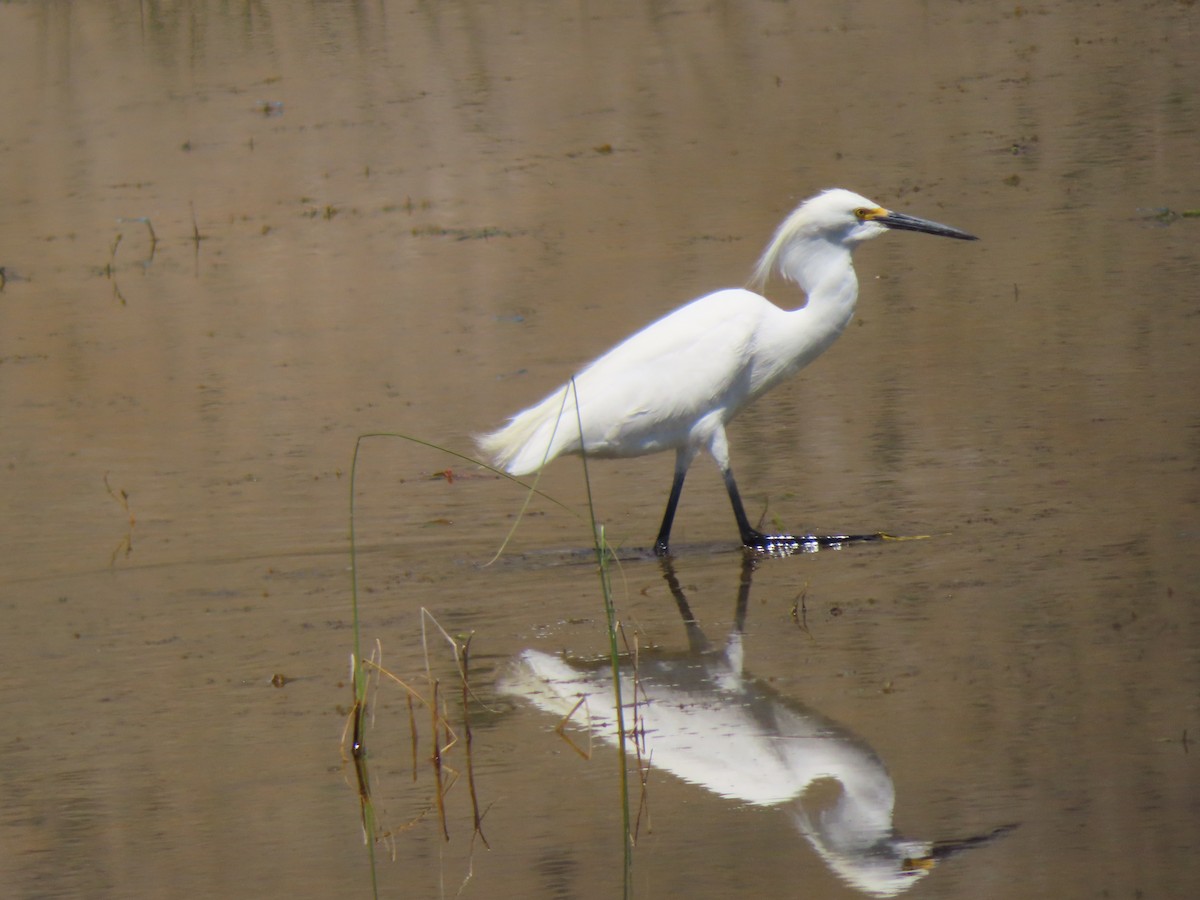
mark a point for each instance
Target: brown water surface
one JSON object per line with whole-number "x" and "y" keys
{"x": 234, "y": 237}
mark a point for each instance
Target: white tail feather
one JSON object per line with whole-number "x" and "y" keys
{"x": 535, "y": 436}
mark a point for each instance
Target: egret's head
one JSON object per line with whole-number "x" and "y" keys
{"x": 832, "y": 219}
{"x": 850, "y": 217}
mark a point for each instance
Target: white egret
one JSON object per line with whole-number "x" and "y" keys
{"x": 678, "y": 382}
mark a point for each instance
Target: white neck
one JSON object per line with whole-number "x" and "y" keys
{"x": 797, "y": 337}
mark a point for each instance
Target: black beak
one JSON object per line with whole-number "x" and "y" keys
{"x": 901, "y": 222}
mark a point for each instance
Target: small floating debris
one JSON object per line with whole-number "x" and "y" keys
{"x": 464, "y": 234}
{"x": 1165, "y": 216}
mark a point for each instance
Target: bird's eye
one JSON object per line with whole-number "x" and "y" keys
{"x": 862, "y": 213}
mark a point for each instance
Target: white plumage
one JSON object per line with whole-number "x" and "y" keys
{"x": 675, "y": 384}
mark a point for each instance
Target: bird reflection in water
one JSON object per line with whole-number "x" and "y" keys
{"x": 705, "y": 720}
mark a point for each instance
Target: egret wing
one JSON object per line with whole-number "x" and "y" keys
{"x": 648, "y": 393}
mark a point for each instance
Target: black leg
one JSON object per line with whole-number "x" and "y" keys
{"x": 780, "y": 544}
{"x": 664, "y": 531}
{"x": 750, "y": 537}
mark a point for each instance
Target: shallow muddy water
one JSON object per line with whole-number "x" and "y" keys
{"x": 235, "y": 237}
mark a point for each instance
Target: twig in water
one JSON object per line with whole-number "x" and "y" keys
{"x": 466, "y": 703}
{"x": 437, "y": 762}
{"x": 800, "y": 610}
{"x": 561, "y": 728}
{"x": 126, "y": 543}
{"x": 145, "y": 220}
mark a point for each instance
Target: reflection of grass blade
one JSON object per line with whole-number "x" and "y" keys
{"x": 638, "y": 734}
{"x": 440, "y": 794}
{"x": 355, "y": 723}
{"x": 359, "y": 708}
{"x": 126, "y": 546}
{"x": 413, "y": 733}
{"x": 561, "y": 728}
{"x": 610, "y": 615}
{"x": 466, "y": 705}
